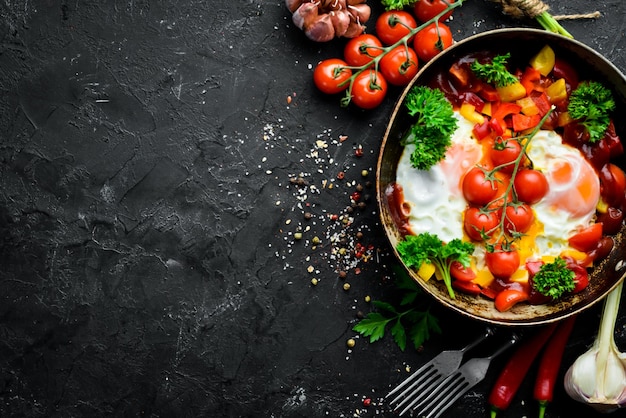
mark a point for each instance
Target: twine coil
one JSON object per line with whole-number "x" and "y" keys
{"x": 534, "y": 8}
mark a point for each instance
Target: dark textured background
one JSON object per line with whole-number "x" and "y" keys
{"x": 148, "y": 205}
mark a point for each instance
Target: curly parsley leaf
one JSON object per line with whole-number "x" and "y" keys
{"x": 591, "y": 103}
{"x": 428, "y": 248}
{"x": 397, "y": 4}
{"x": 412, "y": 324}
{"x": 432, "y": 131}
{"x": 554, "y": 279}
{"x": 495, "y": 72}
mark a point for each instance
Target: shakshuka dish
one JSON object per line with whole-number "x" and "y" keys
{"x": 508, "y": 185}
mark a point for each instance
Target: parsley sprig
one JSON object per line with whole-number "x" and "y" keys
{"x": 554, "y": 279}
{"x": 408, "y": 322}
{"x": 397, "y": 4}
{"x": 432, "y": 131}
{"x": 591, "y": 104}
{"x": 495, "y": 72}
{"x": 428, "y": 248}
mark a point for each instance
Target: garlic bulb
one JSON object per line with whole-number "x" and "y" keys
{"x": 598, "y": 377}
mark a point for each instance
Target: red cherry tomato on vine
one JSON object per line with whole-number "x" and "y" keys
{"x": 431, "y": 40}
{"x": 393, "y": 25}
{"x": 427, "y": 9}
{"x": 518, "y": 218}
{"x": 362, "y": 50}
{"x": 477, "y": 189}
{"x": 477, "y": 222}
{"x": 502, "y": 263}
{"x": 369, "y": 89}
{"x": 530, "y": 185}
{"x": 399, "y": 65}
{"x": 505, "y": 151}
{"x": 331, "y": 76}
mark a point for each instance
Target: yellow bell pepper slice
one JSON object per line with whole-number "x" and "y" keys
{"x": 544, "y": 60}
{"x": 512, "y": 92}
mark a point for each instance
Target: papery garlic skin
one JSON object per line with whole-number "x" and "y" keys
{"x": 598, "y": 377}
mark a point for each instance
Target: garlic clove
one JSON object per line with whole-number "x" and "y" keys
{"x": 361, "y": 12}
{"x": 321, "y": 29}
{"x": 354, "y": 29}
{"x": 293, "y": 5}
{"x": 341, "y": 21}
{"x": 305, "y": 15}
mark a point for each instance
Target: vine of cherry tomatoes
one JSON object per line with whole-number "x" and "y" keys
{"x": 391, "y": 56}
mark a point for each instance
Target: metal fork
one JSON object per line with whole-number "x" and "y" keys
{"x": 418, "y": 384}
{"x": 457, "y": 384}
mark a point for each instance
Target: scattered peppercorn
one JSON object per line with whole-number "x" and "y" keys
{"x": 359, "y": 235}
{"x": 368, "y": 299}
{"x": 364, "y": 173}
{"x": 314, "y": 281}
{"x": 341, "y": 175}
{"x": 343, "y": 274}
{"x": 308, "y": 215}
{"x": 351, "y": 342}
{"x": 346, "y": 286}
{"x": 316, "y": 240}
{"x": 297, "y": 235}
{"x": 367, "y": 402}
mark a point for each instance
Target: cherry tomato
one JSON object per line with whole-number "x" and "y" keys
{"x": 581, "y": 277}
{"x": 519, "y": 218}
{"x": 530, "y": 185}
{"x": 587, "y": 238}
{"x": 613, "y": 184}
{"x": 505, "y": 151}
{"x": 431, "y": 40}
{"x": 427, "y": 9}
{"x": 477, "y": 222}
{"x": 393, "y": 25}
{"x": 611, "y": 220}
{"x": 331, "y": 76}
{"x": 502, "y": 263}
{"x": 399, "y": 65}
{"x": 508, "y": 298}
{"x": 459, "y": 272}
{"x": 369, "y": 89}
{"x": 477, "y": 189}
{"x": 362, "y": 49}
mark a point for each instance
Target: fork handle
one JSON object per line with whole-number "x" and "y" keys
{"x": 514, "y": 339}
{"x": 488, "y": 333}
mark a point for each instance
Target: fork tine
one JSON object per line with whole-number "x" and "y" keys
{"x": 419, "y": 393}
{"x": 434, "y": 393}
{"x": 441, "y": 403}
{"x": 425, "y": 380}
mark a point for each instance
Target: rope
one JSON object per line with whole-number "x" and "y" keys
{"x": 534, "y": 8}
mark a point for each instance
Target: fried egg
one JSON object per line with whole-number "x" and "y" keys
{"x": 434, "y": 197}
{"x": 573, "y": 195}
{"x": 436, "y": 201}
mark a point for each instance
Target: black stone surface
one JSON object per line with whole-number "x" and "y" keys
{"x": 149, "y": 157}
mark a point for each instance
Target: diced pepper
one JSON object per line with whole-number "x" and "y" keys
{"x": 481, "y": 130}
{"x": 530, "y": 80}
{"x": 497, "y": 126}
{"x": 461, "y": 74}
{"x": 483, "y": 278}
{"x": 486, "y": 109}
{"x": 542, "y": 102}
{"x": 469, "y": 112}
{"x": 504, "y": 109}
{"x": 473, "y": 99}
{"x": 544, "y": 60}
{"x": 564, "y": 119}
{"x": 522, "y": 122}
{"x": 528, "y": 106}
{"x": 521, "y": 276}
{"x": 488, "y": 92}
{"x": 511, "y": 92}
{"x": 557, "y": 91}
{"x": 426, "y": 271}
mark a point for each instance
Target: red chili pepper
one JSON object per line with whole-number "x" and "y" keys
{"x": 515, "y": 370}
{"x": 551, "y": 363}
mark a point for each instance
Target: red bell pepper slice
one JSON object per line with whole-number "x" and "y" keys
{"x": 542, "y": 102}
{"x": 522, "y": 122}
{"x": 481, "y": 130}
{"x": 504, "y": 109}
{"x": 473, "y": 99}
{"x": 530, "y": 80}
{"x": 488, "y": 92}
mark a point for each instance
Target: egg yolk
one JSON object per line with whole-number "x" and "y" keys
{"x": 574, "y": 185}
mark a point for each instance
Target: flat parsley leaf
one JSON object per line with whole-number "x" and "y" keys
{"x": 397, "y": 4}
